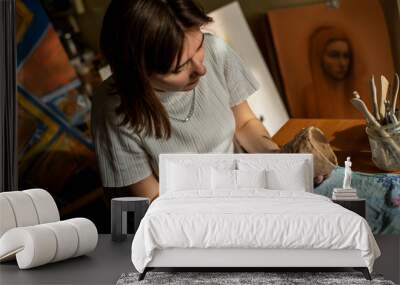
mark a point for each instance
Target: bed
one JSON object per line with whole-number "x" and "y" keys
{"x": 247, "y": 211}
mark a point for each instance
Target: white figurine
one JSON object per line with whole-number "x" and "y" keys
{"x": 347, "y": 174}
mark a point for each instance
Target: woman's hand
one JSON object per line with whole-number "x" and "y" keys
{"x": 252, "y": 135}
{"x": 250, "y": 132}
{"x": 319, "y": 179}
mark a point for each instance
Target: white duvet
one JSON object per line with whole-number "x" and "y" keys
{"x": 253, "y": 218}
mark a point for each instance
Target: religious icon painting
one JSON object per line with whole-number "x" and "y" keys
{"x": 324, "y": 54}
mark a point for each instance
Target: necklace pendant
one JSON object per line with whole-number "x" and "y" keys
{"x": 191, "y": 111}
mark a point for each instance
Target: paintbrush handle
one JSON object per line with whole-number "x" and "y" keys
{"x": 374, "y": 98}
{"x": 384, "y": 90}
{"x": 360, "y": 106}
{"x": 396, "y": 92}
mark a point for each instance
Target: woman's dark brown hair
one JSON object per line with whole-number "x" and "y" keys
{"x": 139, "y": 38}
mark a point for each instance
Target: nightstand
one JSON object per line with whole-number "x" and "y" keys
{"x": 357, "y": 206}
{"x": 119, "y": 209}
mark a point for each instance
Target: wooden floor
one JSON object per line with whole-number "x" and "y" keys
{"x": 106, "y": 264}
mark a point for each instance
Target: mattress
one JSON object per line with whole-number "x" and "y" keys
{"x": 250, "y": 219}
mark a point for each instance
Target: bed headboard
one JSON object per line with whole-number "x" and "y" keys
{"x": 270, "y": 160}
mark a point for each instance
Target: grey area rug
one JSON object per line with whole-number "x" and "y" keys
{"x": 269, "y": 278}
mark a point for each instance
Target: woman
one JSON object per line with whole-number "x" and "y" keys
{"x": 173, "y": 89}
{"x": 331, "y": 62}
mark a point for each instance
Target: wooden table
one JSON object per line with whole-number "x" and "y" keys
{"x": 346, "y": 136}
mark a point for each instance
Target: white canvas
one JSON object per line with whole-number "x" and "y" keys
{"x": 230, "y": 24}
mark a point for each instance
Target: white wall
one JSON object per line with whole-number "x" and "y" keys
{"x": 398, "y": 5}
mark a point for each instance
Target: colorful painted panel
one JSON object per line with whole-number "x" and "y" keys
{"x": 54, "y": 143}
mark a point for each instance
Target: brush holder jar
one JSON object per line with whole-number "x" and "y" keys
{"x": 384, "y": 155}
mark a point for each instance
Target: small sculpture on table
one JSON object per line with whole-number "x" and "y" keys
{"x": 346, "y": 192}
{"x": 347, "y": 174}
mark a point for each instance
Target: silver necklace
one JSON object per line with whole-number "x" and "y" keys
{"x": 191, "y": 110}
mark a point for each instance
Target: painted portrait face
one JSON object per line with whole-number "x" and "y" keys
{"x": 336, "y": 59}
{"x": 190, "y": 67}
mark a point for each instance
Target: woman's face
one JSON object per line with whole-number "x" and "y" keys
{"x": 336, "y": 59}
{"x": 190, "y": 67}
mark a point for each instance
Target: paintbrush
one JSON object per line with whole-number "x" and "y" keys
{"x": 374, "y": 98}
{"x": 394, "y": 96}
{"x": 384, "y": 90}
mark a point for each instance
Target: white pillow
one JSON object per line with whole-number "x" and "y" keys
{"x": 294, "y": 180}
{"x": 223, "y": 179}
{"x": 251, "y": 178}
{"x": 228, "y": 179}
{"x": 282, "y": 174}
{"x": 181, "y": 177}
